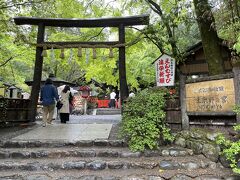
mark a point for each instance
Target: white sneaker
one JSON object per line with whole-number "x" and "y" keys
{"x": 43, "y": 124}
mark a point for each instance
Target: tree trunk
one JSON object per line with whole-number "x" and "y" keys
{"x": 210, "y": 40}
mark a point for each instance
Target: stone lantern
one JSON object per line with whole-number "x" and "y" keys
{"x": 13, "y": 92}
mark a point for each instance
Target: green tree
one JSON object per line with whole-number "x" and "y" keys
{"x": 171, "y": 22}
{"x": 172, "y": 29}
{"x": 228, "y": 25}
{"x": 210, "y": 40}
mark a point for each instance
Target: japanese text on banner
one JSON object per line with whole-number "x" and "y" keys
{"x": 165, "y": 71}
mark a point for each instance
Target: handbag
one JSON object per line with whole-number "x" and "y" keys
{"x": 59, "y": 105}
{"x": 70, "y": 98}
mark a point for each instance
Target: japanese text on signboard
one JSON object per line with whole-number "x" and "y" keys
{"x": 210, "y": 96}
{"x": 165, "y": 71}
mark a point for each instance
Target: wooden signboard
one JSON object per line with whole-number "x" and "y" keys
{"x": 210, "y": 96}
{"x": 165, "y": 71}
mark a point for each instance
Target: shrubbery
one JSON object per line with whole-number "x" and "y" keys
{"x": 143, "y": 124}
{"x": 230, "y": 148}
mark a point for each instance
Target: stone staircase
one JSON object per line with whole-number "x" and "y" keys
{"x": 103, "y": 160}
{"x": 108, "y": 111}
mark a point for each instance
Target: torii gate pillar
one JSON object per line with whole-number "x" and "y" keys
{"x": 37, "y": 75}
{"x": 122, "y": 65}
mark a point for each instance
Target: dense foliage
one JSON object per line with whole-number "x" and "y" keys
{"x": 172, "y": 29}
{"x": 231, "y": 148}
{"x": 143, "y": 123}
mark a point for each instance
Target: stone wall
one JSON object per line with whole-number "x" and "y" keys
{"x": 202, "y": 141}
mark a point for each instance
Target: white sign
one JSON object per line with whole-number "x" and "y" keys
{"x": 165, "y": 70}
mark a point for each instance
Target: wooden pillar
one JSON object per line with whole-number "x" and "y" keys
{"x": 122, "y": 65}
{"x": 185, "y": 119}
{"x": 37, "y": 74}
{"x": 236, "y": 72}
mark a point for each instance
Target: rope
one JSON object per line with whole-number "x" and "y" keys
{"x": 52, "y": 45}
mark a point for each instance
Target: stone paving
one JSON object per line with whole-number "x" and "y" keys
{"x": 84, "y": 127}
{"x": 70, "y": 132}
{"x": 99, "y": 119}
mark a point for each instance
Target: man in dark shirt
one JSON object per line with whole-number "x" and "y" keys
{"x": 48, "y": 97}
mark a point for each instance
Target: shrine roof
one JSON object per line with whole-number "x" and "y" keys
{"x": 57, "y": 82}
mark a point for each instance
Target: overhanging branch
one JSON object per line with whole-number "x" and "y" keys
{"x": 3, "y": 64}
{"x": 12, "y": 4}
{"x": 96, "y": 35}
{"x": 160, "y": 47}
{"x": 156, "y": 8}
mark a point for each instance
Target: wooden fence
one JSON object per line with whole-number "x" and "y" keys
{"x": 13, "y": 110}
{"x": 173, "y": 113}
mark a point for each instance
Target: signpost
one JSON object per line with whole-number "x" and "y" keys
{"x": 210, "y": 96}
{"x": 165, "y": 70}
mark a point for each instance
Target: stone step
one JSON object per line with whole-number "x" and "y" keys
{"x": 101, "y": 160}
{"x": 61, "y": 143}
{"x": 114, "y": 152}
{"x": 102, "y": 163}
{"x": 146, "y": 174}
{"x": 108, "y": 111}
{"x": 68, "y": 144}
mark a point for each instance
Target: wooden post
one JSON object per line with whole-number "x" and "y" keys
{"x": 37, "y": 75}
{"x": 185, "y": 119}
{"x": 236, "y": 72}
{"x": 122, "y": 65}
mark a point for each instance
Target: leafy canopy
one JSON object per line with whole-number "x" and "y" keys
{"x": 172, "y": 28}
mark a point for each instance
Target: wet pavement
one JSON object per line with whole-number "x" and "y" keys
{"x": 80, "y": 127}
{"x": 83, "y": 127}
{"x": 99, "y": 119}
{"x": 68, "y": 132}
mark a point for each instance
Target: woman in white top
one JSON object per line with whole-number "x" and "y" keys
{"x": 64, "y": 111}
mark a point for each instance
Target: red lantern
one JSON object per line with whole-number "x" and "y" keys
{"x": 85, "y": 91}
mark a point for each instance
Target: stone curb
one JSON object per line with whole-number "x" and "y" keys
{"x": 25, "y": 154}
{"x": 131, "y": 177}
{"x": 102, "y": 165}
{"x": 52, "y": 144}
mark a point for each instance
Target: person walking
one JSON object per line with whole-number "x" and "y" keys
{"x": 64, "y": 111}
{"x": 112, "y": 99}
{"x": 48, "y": 98}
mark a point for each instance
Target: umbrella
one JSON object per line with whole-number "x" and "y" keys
{"x": 60, "y": 88}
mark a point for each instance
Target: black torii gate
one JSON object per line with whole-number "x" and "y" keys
{"x": 119, "y": 22}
